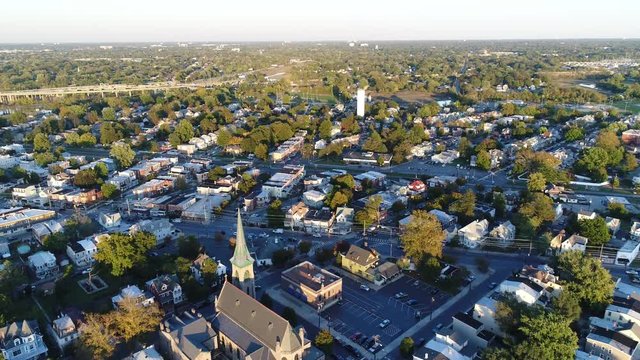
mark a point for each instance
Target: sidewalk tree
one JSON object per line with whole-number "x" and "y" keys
{"x": 586, "y": 279}
{"x": 189, "y": 247}
{"x": 537, "y": 182}
{"x": 406, "y": 347}
{"x": 423, "y": 236}
{"x": 290, "y": 315}
{"x": 324, "y": 341}
{"x": 483, "y": 160}
{"x": 109, "y": 191}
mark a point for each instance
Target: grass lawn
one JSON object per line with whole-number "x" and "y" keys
{"x": 631, "y": 105}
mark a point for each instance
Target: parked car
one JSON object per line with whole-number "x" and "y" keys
{"x": 438, "y": 327}
{"x": 412, "y": 302}
{"x": 421, "y": 342}
{"x": 631, "y": 272}
{"x": 435, "y": 291}
{"x": 365, "y": 287}
{"x": 493, "y": 285}
{"x": 355, "y": 336}
{"x": 400, "y": 295}
{"x": 384, "y": 323}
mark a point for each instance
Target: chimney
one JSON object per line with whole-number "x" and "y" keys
{"x": 301, "y": 334}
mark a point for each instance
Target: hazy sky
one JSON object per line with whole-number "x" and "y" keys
{"x": 276, "y": 20}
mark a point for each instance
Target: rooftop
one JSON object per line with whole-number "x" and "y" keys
{"x": 311, "y": 276}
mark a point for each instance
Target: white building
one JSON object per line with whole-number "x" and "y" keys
{"x": 142, "y": 298}
{"x": 474, "y": 233}
{"x": 161, "y": 228}
{"x": 574, "y": 242}
{"x": 504, "y": 233}
{"x": 64, "y": 331}
{"x": 628, "y": 252}
{"x": 314, "y": 198}
{"x": 360, "y": 98}
{"x": 523, "y": 289}
{"x": 282, "y": 183}
{"x": 110, "y": 220}
{"x": 43, "y": 264}
{"x": 81, "y": 253}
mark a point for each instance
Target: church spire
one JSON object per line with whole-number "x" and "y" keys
{"x": 242, "y": 263}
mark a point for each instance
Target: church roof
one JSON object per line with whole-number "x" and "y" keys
{"x": 264, "y": 325}
{"x": 241, "y": 256}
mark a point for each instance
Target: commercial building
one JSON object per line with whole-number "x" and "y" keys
{"x": 312, "y": 285}
{"x": 281, "y": 184}
{"x": 359, "y": 261}
{"x": 287, "y": 148}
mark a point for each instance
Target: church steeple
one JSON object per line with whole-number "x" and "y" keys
{"x": 242, "y": 263}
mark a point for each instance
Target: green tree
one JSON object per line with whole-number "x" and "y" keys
{"x": 586, "y": 279}
{"x": 261, "y": 151}
{"x": 374, "y": 143}
{"x": 324, "y": 341}
{"x": 567, "y": 305}
{"x": 537, "y": 182}
{"x": 110, "y": 132}
{"x": 109, "y": 191}
{"x": 464, "y": 205}
{"x": 547, "y": 336}
{"x": 290, "y": 315}
{"x": 595, "y": 230}
{"x": 188, "y": 247}
{"x": 304, "y": 246}
{"x": 281, "y": 257}
{"x": 108, "y": 114}
{"x": 428, "y": 110}
{"x": 423, "y": 236}
{"x": 340, "y": 198}
{"x": 121, "y": 252}
{"x": 41, "y": 143}
{"x": 465, "y": 148}
{"x": 85, "y": 178}
{"x": 629, "y": 162}
{"x": 182, "y": 133}
{"x": 406, "y": 347}
{"x": 483, "y": 160}
{"x": 370, "y": 214}
{"x": 533, "y": 213}
{"x": 56, "y": 242}
{"x": 98, "y": 335}
{"x": 275, "y": 215}
{"x": 101, "y": 170}
{"x": 209, "y": 270}
{"x": 325, "y": 128}
{"x": 17, "y": 118}
{"x": 224, "y": 137}
{"x": 132, "y": 320}
{"x": 123, "y": 155}
{"x": 574, "y": 134}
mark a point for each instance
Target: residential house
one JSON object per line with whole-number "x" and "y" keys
{"x": 474, "y": 233}
{"x": 82, "y": 252}
{"x": 417, "y": 186}
{"x": 504, "y": 233}
{"x": 43, "y": 264}
{"x": 484, "y": 311}
{"x": 343, "y": 220}
{"x": 359, "y": 261}
{"x": 319, "y": 221}
{"x": 312, "y": 285}
{"x": 148, "y": 353}
{"x": 141, "y": 298}
{"x": 523, "y": 289}
{"x": 22, "y": 340}
{"x": 294, "y": 217}
{"x": 167, "y": 291}
{"x": 64, "y": 330}
{"x": 314, "y": 199}
{"x": 624, "y": 310}
{"x": 612, "y": 345}
{"x": 613, "y": 224}
{"x": 574, "y": 242}
{"x": 196, "y": 269}
{"x": 472, "y": 330}
{"x": 109, "y": 221}
{"x": 586, "y": 215}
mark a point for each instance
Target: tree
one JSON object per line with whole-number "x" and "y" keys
{"x": 121, "y": 252}
{"x": 109, "y": 191}
{"x": 325, "y": 128}
{"x": 587, "y": 280}
{"x": 508, "y": 109}
{"x": 209, "y": 270}
{"x": 547, "y": 336}
{"x": 574, "y": 134}
{"x": 188, "y": 247}
{"x": 281, "y": 257}
{"x": 483, "y": 160}
{"x": 537, "y": 182}
{"x": 131, "y": 319}
{"x": 85, "y": 178}
{"x": 533, "y": 213}
{"x": 304, "y": 247}
{"x": 406, "y": 347}
{"x": 324, "y": 341}
{"x": 182, "y": 133}
{"x": 429, "y": 109}
{"x": 123, "y": 155}
{"x": 339, "y": 199}
{"x": 98, "y": 335}
{"x": 374, "y": 143}
{"x": 465, "y": 205}
{"x": 465, "y": 148}
{"x": 275, "y": 215}
{"x": 56, "y": 242}
{"x": 108, "y": 114}
{"x": 262, "y": 151}
{"x": 224, "y": 137}
{"x": 181, "y": 183}
{"x": 423, "y": 236}
{"x": 110, "y": 132}
{"x": 370, "y": 214}
{"x": 290, "y": 315}
{"x": 567, "y": 305}
{"x": 17, "y": 118}
{"x": 595, "y": 230}
{"x": 629, "y": 162}
{"x": 41, "y": 143}
{"x": 101, "y": 170}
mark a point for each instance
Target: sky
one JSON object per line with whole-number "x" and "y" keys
{"x": 36, "y": 21}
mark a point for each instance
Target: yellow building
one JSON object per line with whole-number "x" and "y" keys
{"x": 359, "y": 261}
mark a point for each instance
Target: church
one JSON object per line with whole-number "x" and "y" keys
{"x": 245, "y": 328}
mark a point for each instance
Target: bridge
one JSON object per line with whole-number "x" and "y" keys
{"x": 102, "y": 89}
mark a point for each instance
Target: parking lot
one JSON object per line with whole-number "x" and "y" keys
{"x": 402, "y": 302}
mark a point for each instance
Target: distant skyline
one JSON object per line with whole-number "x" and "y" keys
{"x": 36, "y": 21}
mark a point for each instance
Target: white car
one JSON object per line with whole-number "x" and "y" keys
{"x": 384, "y": 323}
{"x": 365, "y": 287}
{"x": 631, "y": 272}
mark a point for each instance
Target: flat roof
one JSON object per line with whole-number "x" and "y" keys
{"x": 310, "y": 275}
